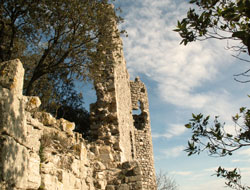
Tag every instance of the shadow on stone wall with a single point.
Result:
(13, 155)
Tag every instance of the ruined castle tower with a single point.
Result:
(113, 122)
(38, 151)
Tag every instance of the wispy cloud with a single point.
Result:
(240, 160)
(181, 173)
(153, 49)
(172, 131)
(244, 152)
(173, 152)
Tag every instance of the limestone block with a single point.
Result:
(33, 121)
(106, 157)
(84, 186)
(68, 180)
(84, 155)
(88, 180)
(117, 146)
(32, 103)
(99, 166)
(105, 154)
(50, 182)
(83, 172)
(137, 171)
(51, 156)
(75, 166)
(110, 187)
(11, 76)
(46, 118)
(13, 162)
(124, 187)
(100, 175)
(138, 185)
(77, 184)
(12, 115)
(133, 178)
(33, 138)
(48, 168)
(67, 126)
(34, 177)
(101, 184)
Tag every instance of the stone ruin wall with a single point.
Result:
(39, 152)
(143, 139)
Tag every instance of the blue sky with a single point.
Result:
(182, 80)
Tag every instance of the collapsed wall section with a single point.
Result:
(40, 152)
(143, 139)
(37, 151)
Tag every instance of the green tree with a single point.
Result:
(217, 141)
(222, 20)
(219, 19)
(57, 41)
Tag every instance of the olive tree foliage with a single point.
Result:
(219, 19)
(57, 41)
(218, 142)
(222, 20)
(165, 182)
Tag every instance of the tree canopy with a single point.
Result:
(57, 41)
(222, 20)
(219, 19)
(217, 141)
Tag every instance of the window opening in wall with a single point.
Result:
(139, 117)
(138, 111)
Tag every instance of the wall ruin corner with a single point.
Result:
(38, 151)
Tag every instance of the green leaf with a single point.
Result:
(239, 34)
(242, 109)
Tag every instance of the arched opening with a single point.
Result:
(140, 117)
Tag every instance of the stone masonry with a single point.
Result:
(39, 152)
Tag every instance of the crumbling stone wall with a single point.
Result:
(143, 139)
(38, 151)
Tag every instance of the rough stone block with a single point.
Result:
(50, 182)
(110, 187)
(11, 76)
(12, 117)
(99, 166)
(13, 162)
(124, 187)
(67, 126)
(45, 118)
(33, 138)
(32, 103)
(34, 177)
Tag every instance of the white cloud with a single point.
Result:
(240, 160)
(172, 131)
(244, 152)
(181, 173)
(217, 184)
(153, 49)
(174, 152)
